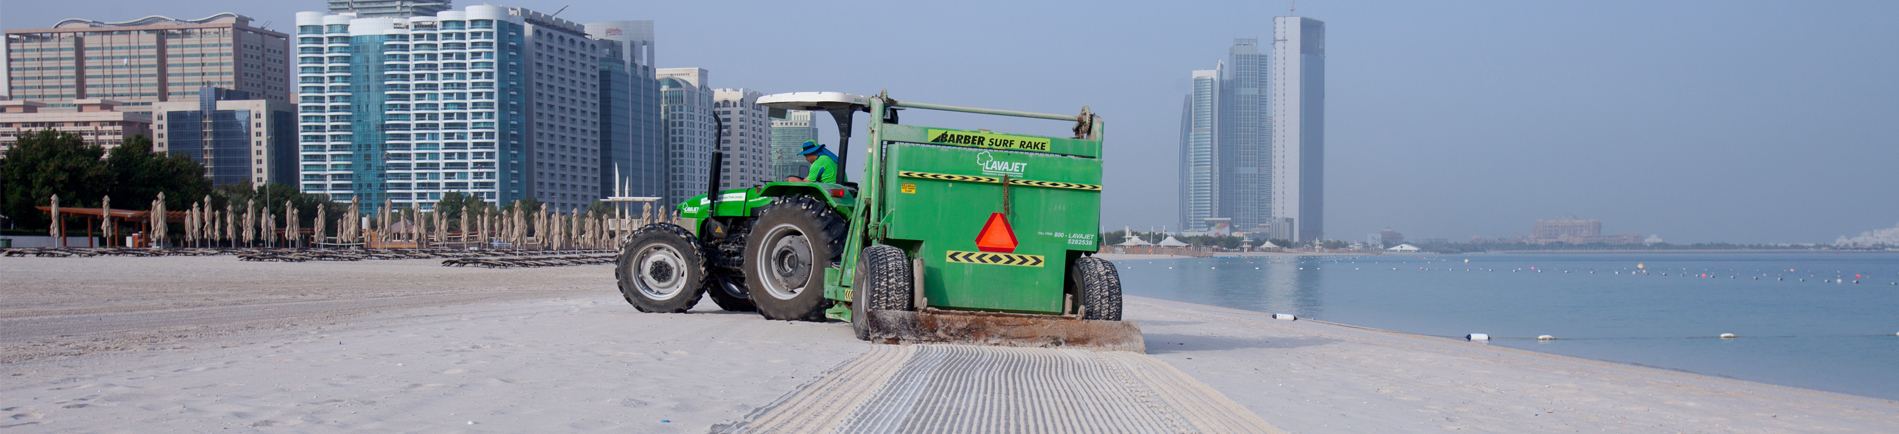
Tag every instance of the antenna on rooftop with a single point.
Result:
(557, 12)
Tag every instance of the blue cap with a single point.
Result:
(811, 147)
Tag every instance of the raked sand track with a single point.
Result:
(204, 344)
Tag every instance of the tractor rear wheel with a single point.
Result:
(730, 293)
(793, 241)
(661, 270)
(1099, 287)
(882, 282)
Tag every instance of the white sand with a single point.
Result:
(203, 344)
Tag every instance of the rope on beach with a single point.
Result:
(532, 261)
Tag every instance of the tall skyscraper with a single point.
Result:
(144, 61)
(1226, 143)
(389, 8)
(236, 137)
(1298, 111)
(1245, 141)
(686, 104)
(632, 148)
(408, 109)
(1199, 163)
(747, 139)
(563, 107)
(788, 135)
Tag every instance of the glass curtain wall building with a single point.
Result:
(1199, 127)
(788, 135)
(1298, 115)
(1245, 142)
(686, 103)
(632, 150)
(238, 139)
(407, 109)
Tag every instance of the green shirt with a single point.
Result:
(825, 170)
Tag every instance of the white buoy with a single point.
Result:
(1477, 337)
(1285, 317)
(1545, 338)
(1727, 336)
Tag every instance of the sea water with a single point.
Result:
(1823, 321)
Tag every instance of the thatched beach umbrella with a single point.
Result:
(160, 220)
(57, 230)
(291, 225)
(105, 220)
(322, 220)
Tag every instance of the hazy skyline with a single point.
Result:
(1695, 121)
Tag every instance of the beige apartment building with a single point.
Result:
(95, 120)
(144, 61)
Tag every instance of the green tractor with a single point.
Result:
(967, 236)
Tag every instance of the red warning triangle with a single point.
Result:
(996, 235)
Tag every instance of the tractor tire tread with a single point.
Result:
(1100, 287)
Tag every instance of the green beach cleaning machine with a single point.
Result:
(958, 236)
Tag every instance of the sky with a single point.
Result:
(1698, 121)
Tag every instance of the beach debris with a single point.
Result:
(1285, 317)
(1727, 336)
(1477, 337)
(1545, 338)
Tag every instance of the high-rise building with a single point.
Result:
(1226, 143)
(408, 109)
(1199, 130)
(788, 135)
(1245, 140)
(236, 138)
(632, 149)
(747, 139)
(563, 125)
(96, 121)
(686, 107)
(144, 61)
(1298, 119)
(388, 8)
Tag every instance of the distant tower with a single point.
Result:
(1245, 139)
(686, 104)
(1298, 119)
(1199, 153)
(747, 139)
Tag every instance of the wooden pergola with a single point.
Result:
(118, 217)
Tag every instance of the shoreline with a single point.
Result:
(556, 349)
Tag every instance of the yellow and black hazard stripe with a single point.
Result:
(1047, 184)
(992, 180)
(987, 258)
(947, 177)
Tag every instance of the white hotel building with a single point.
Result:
(500, 103)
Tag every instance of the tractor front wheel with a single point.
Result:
(661, 269)
(882, 282)
(1099, 285)
(793, 241)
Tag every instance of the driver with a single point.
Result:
(823, 165)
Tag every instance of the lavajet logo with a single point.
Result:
(992, 166)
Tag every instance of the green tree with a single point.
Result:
(600, 208)
(527, 204)
(140, 174)
(452, 203)
(45, 163)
